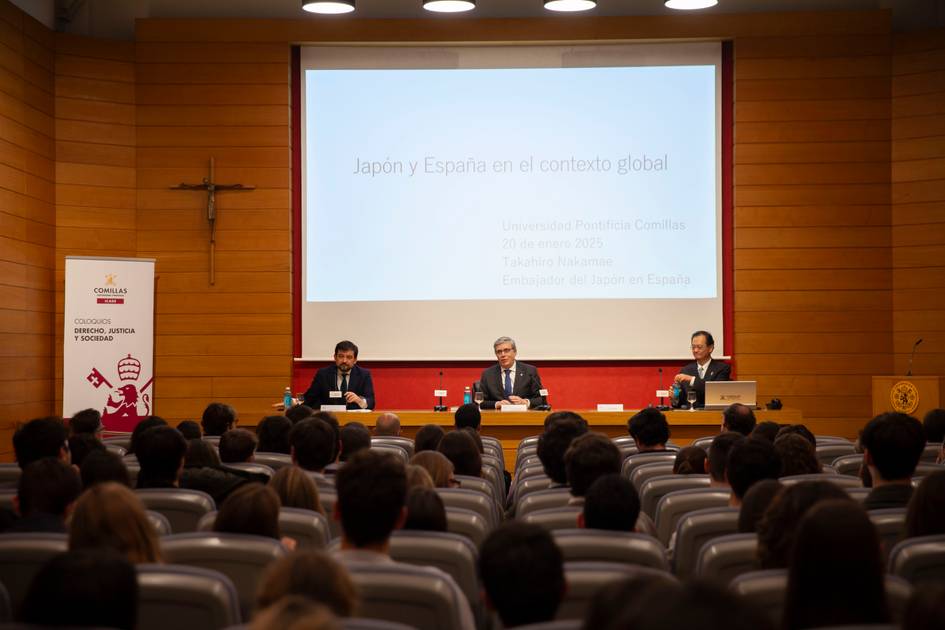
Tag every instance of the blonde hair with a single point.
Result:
(437, 465)
(313, 574)
(418, 477)
(296, 489)
(110, 515)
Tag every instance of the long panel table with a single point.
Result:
(510, 428)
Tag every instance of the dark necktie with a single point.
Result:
(344, 384)
(508, 382)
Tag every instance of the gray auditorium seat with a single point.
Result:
(451, 553)
(181, 597)
(632, 462)
(527, 486)
(858, 494)
(159, 522)
(133, 469)
(541, 500)
(472, 500)
(9, 473)
(392, 449)
(724, 558)
(703, 442)
(931, 451)
(673, 505)
(258, 468)
(241, 558)
(183, 508)
(273, 460)
(394, 440)
(493, 470)
(890, 525)
(584, 579)
(848, 464)
(641, 473)
(328, 499)
(553, 519)
(531, 469)
(115, 448)
(526, 455)
(308, 528)
(477, 484)
(655, 488)
(467, 523)
(124, 441)
(697, 528)
(920, 559)
(528, 441)
(597, 545)
(844, 481)
(832, 439)
(492, 446)
(22, 555)
(829, 451)
(927, 468)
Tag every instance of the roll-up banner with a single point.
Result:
(108, 339)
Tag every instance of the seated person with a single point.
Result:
(748, 462)
(611, 503)
(354, 437)
(690, 460)
(425, 510)
(218, 418)
(312, 574)
(460, 448)
(797, 455)
(704, 368)
(352, 381)
(387, 425)
(649, 430)
(273, 434)
(39, 438)
(111, 516)
(510, 382)
(46, 495)
(87, 421)
(738, 418)
(428, 438)
(237, 446)
(589, 457)
(892, 446)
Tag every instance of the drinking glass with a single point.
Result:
(478, 396)
(691, 397)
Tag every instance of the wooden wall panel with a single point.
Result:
(95, 168)
(918, 200)
(27, 221)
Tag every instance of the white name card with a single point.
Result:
(335, 393)
(513, 408)
(440, 393)
(542, 392)
(609, 407)
(662, 393)
(333, 408)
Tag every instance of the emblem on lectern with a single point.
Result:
(904, 397)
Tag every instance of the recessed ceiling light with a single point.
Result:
(570, 5)
(689, 5)
(328, 7)
(449, 6)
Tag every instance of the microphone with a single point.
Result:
(441, 406)
(912, 356)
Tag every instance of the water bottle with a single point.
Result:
(287, 398)
(676, 392)
(467, 395)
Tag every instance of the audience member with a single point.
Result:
(252, 509)
(522, 573)
(610, 503)
(387, 424)
(589, 457)
(468, 415)
(237, 446)
(296, 489)
(425, 510)
(298, 413)
(738, 418)
(625, 597)
(294, 612)
(554, 443)
(189, 429)
(926, 512)
(690, 461)
(218, 418)
(799, 429)
(766, 430)
(86, 588)
(718, 457)
(311, 444)
(81, 444)
(372, 492)
(836, 572)
(755, 503)
(476, 438)
(892, 446)
(87, 421)
(311, 574)
(148, 423)
(200, 453)
(354, 437)
(332, 421)
(934, 426)
(160, 451)
(797, 455)
(273, 434)
(460, 448)
(101, 466)
(748, 462)
(555, 416)
(778, 524)
(46, 492)
(428, 438)
(418, 477)
(110, 516)
(438, 466)
(203, 471)
(649, 430)
(39, 438)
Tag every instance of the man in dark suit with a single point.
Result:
(352, 382)
(704, 368)
(509, 382)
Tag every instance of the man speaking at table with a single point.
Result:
(351, 382)
(510, 382)
(704, 368)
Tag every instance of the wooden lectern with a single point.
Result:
(914, 395)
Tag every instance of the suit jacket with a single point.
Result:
(717, 371)
(326, 380)
(527, 384)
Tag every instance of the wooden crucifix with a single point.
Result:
(212, 187)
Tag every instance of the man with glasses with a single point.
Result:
(343, 383)
(510, 382)
(694, 375)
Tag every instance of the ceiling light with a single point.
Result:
(329, 7)
(688, 5)
(449, 6)
(570, 5)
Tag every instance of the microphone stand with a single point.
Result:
(912, 356)
(441, 406)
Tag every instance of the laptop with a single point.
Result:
(721, 394)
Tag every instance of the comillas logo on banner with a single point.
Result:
(108, 341)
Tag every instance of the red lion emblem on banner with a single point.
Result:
(126, 404)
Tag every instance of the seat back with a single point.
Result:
(673, 505)
(632, 462)
(598, 545)
(641, 473)
(478, 484)
(124, 441)
(848, 464)
(890, 525)
(471, 500)
(584, 579)
(308, 528)
(542, 500)
(115, 448)
(697, 528)
(405, 594)
(239, 557)
(9, 473)
(554, 519)
(704, 442)
(931, 451)
(182, 508)
(858, 494)
(927, 468)
(726, 557)
(273, 460)
(844, 481)
(918, 560)
(393, 449)
(253, 467)
(766, 589)
(22, 555)
(530, 469)
(526, 486)
(394, 440)
(159, 522)
(328, 498)
(530, 441)
(829, 451)
(655, 488)
(171, 596)
(451, 553)
(467, 523)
